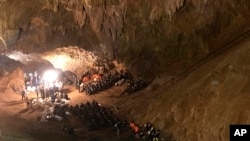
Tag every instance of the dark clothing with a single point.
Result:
(117, 129)
(37, 92)
(23, 93)
(28, 103)
(42, 92)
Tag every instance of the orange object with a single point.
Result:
(95, 77)
(134, 127)
(85, 79)
(131, 124)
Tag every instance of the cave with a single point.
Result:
(187, 62)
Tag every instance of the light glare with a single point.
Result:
(50, 76)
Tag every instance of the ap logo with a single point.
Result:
(239, 133)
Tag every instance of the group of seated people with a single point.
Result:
(91, 84)
(94, 83)
(143, 132)
(134, 86)
(93, 115)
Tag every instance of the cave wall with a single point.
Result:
(149, 36)
(204, 104)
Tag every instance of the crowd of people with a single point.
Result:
(42, 88)
(95, 116)
(92, 114)
(134, 86)
(144, 132)
(88, 83)
(93, 83)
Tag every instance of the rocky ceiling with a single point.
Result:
(149, 36)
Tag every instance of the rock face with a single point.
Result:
(72, 59)
(150, 37)
(204, 104)
(159, 34)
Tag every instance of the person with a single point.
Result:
(135, 129)
(27, 102)
(41, 89)
(68, 129)
(155, 135)
(117, 129)
(148, 125)
(23, 93)
(78, 84)
(37, 91)
(80, 88)
(128, 74)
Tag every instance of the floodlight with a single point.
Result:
(50, 76)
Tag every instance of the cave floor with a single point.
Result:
(19, 124)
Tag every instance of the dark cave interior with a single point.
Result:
(193, 56)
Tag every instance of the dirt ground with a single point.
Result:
(19, 123)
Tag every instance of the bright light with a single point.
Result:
(50, 76)
(59, 61)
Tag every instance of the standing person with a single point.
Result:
(46, 93)
(78, 84)
(41, 89)
(23, 93)
(25, 80)
(117, 129)
(81, 87)
(27, 102)
(37, 91)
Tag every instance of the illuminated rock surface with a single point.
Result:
(155, 39)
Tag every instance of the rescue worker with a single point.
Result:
(41, 89)
(135, 129)
(85, 79)
(27, 102)
(128, 74)
(23, 93)
(26, 80)
(96, 77)
(78, 83)
(117, 129)
(37, 91)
